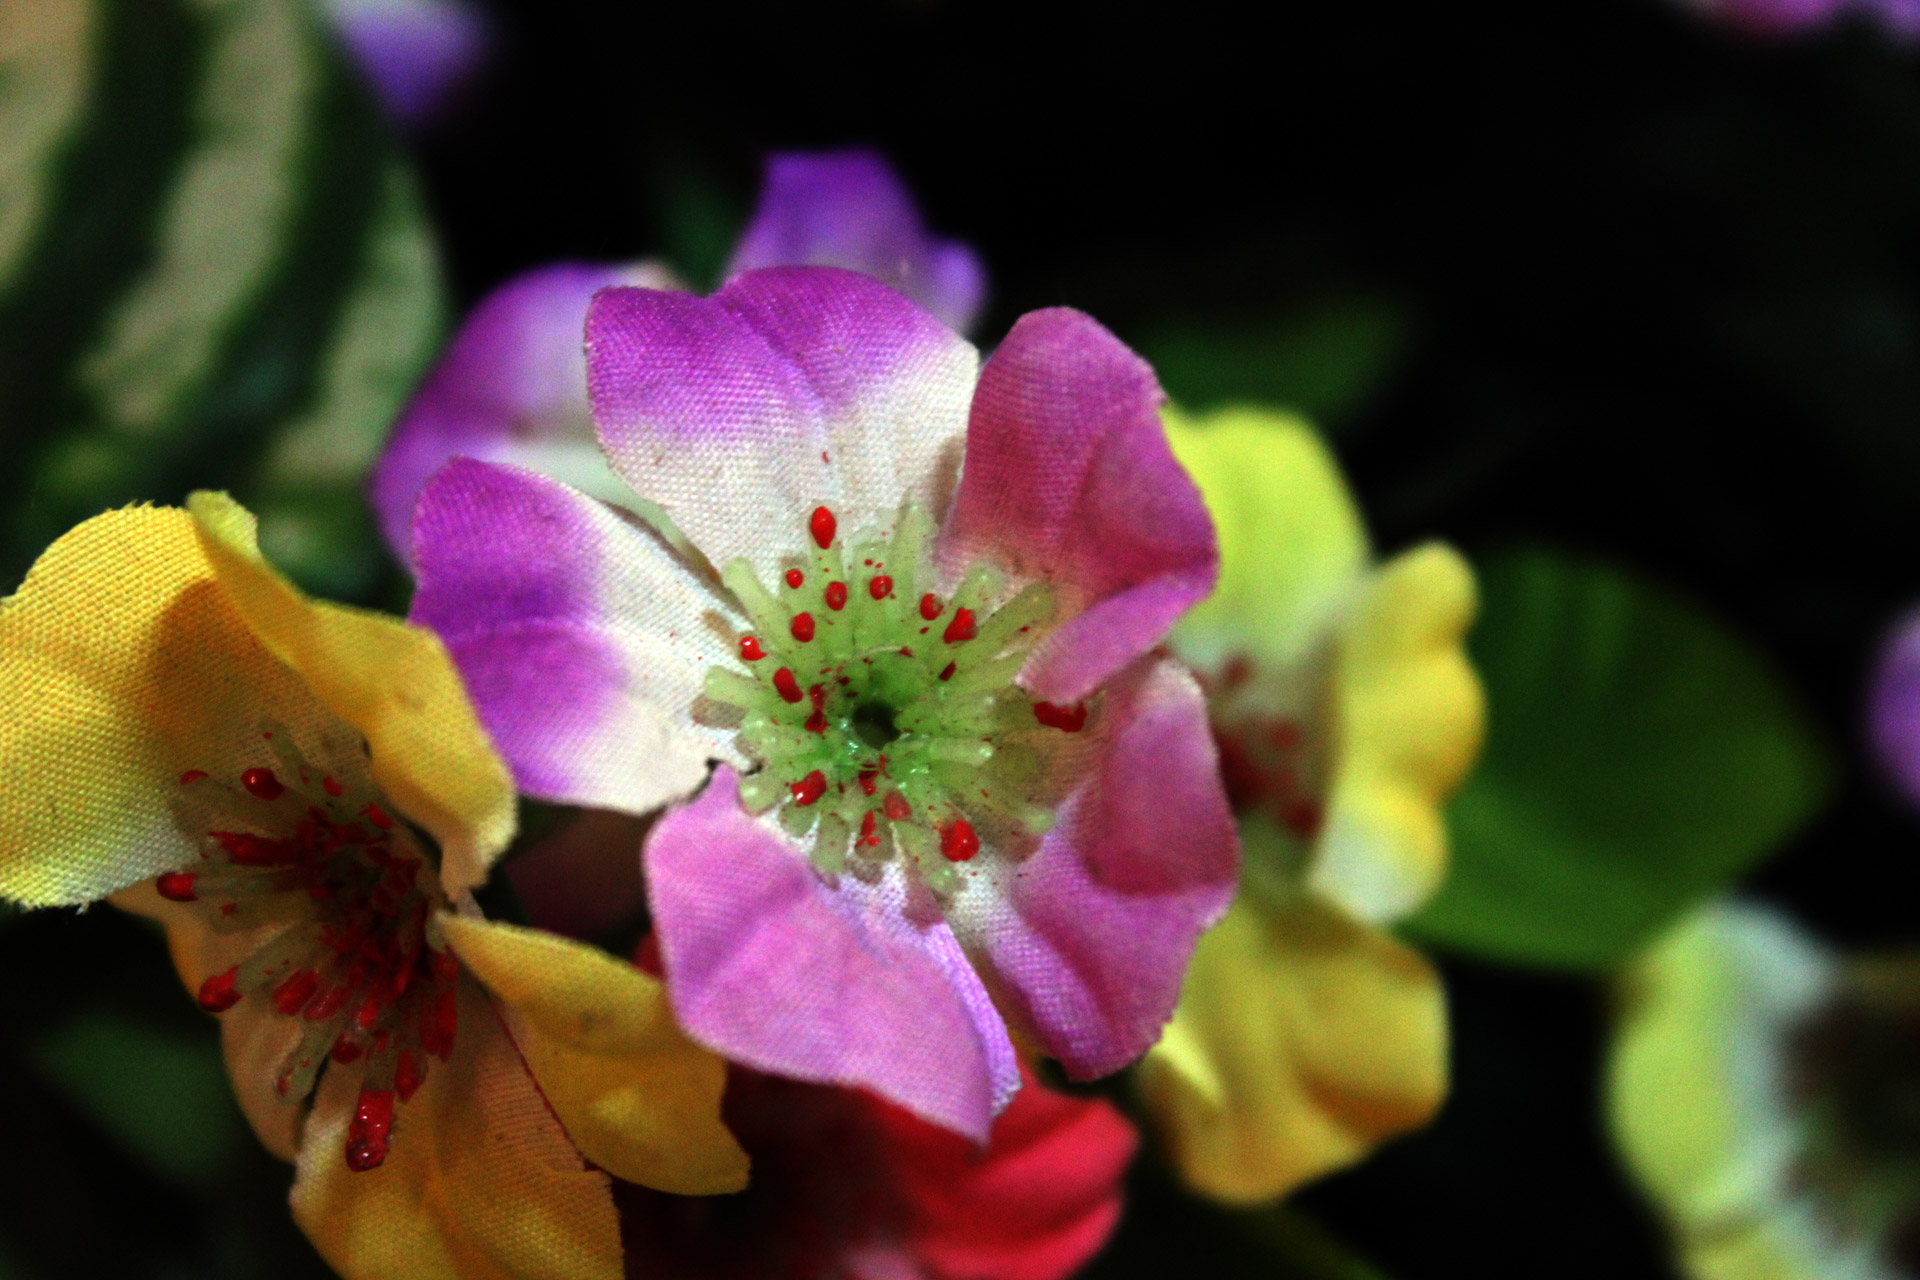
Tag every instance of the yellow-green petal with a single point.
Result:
(1302, 1040)
(480, 1182)
(1292, 547)
(391, 681)
(1407, 721)
(638, 1098)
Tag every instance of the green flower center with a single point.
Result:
(885, 718)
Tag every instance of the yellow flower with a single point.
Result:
(1346, 713)
(274, 779)
(1760, 1090)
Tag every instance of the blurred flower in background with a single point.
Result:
(1346, 713)
(416, 54)
(1899, 19)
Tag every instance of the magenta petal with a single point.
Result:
(788, 389)
(1101, 921)
(1894, 711)
(772, 967)
(513, 384)
(1069, 477)
(850, 209)
(581, 641)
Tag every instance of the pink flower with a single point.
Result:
(950, 760)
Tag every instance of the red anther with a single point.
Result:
(369, 1011)
(750, 650)
(930, 606)
(345, 1051)
(816, 723)
(867, 837)
(836, 596)
(788, 687)
(905, 652)
(177, 886)
(817, 694)
(958, 842)
(646, 957)
(379, 817)
(218, 993)
(333, 788)
(802, 627)
(868, 780)
(809, 788)
(1066, 719)
(795, 578)
(822, 526)
(897, 807)
(262, 782)
(370, 1130)
(881, 587)
(255, 851)
(192, 776)
(961, 628)
(947, 672)
(407, 1075)
(292, 995)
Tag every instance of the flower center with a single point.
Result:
(1271, 764)
(358, 962)
(887, 718)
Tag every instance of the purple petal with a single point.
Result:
(786, 390)
(850, 209)
(414, 53)
(1098, 927)
(1069, 477)
(512, 387)
(1894, 713)
(582, 642)
(772, 967)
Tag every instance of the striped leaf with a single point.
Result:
(214, 273)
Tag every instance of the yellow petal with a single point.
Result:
(122, 666)
(638, 1098)
(1301, 1040)
(1408, 717)
(254, 1036)
(1292, 547)
(392, 682)
(479, 1184)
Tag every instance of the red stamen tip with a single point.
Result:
(947, 673)
(750, 650)
(961, 628)
(370, 1131)
(177, 886)
(795, 578)
(897, 807)
(930, 606)
(379, 817)
(262, 782)
(822, 526)
(788, 687)
(218, 993)
(1066, 719)
(836, 596)
(809, 788)
(881, 587)
(802, 627)
(192, 776)
(958, 841)
(333, 788)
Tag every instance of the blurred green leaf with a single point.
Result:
(161, 1093)
(214, 270)
(1640, 757)
(1325, 361)
(1303, 1248)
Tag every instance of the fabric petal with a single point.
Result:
(584, 645)
(850, 209)
(392, 682)
(777, 970)
(125, 666)
(1035, 1205)
(480, 1184)
(1098, 925)
(511, 388)
(255, 1037)
(1408, 717)
(1069, 478)
(1302, 1040)
(637, 1097)
(788, 389)
(1293, 551)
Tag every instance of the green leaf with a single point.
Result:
(214, 272)
(1640, 757)
(160, 1093)
(1325, 361)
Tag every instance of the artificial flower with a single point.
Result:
(1345, 712)
(414, 54)
(1761, 1089)
(302, 795)
(513, 385)
(949, 759)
